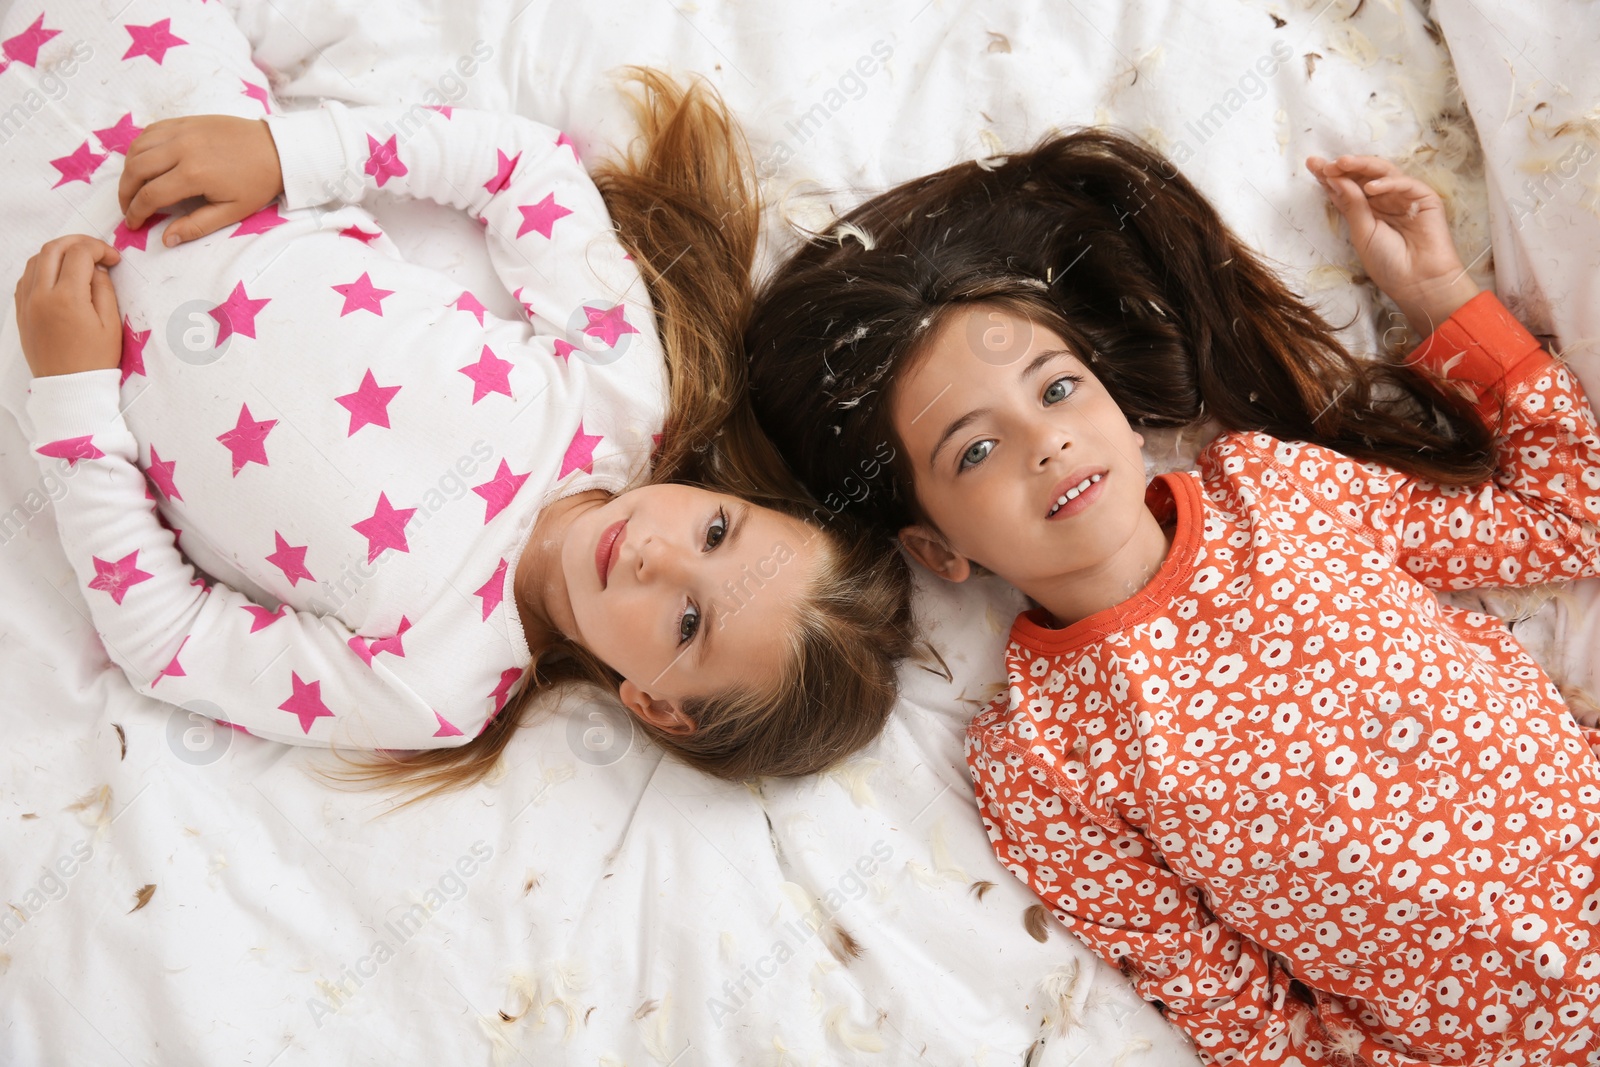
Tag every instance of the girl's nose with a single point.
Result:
(658, 560)
(1053, 441)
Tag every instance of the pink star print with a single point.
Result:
(541, 216)
(383, 160)
(368, 405)
(24, 47)
(502, 174)
(362, 295)
(257, 93)
(78, 167)
(291, 561)
(174, 669)
(443, 109)
(357, 233)
(122, 237)
(71, 449)
(608, 324)
(152, 40)
(133, 342)
(446, 728)
(306, 702)
(580, 453)
(247, 440)
(469, 303)
(490, 374)
(160, 472)
(508, 678)
(499, 490)
(116, 578)
(392, 645)
(237, 314)
(260, 222)
(564, 350)
(494, 590)
(385, 528)
(261, 618)
(527, 308)
(359, 646)
(117, 138)
(563, 139)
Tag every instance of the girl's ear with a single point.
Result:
(928, 548)
(667, 716)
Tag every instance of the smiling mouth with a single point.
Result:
(1073, 494)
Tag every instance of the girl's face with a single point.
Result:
(1000, 423)
(684, 592)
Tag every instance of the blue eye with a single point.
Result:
(976, 454)
(1061, 388)
(688, 624)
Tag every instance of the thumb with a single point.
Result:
(103, 297)
(201, 221)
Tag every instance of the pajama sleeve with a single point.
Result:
(184, 641)
(1234, 999)
(1535, 520)
(549, 234)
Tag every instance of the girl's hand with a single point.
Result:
(67, 307)
(231, 162)
(1398, 227)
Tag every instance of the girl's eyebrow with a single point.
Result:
(959, 424)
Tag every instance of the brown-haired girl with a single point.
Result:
(1245, 753)
(394, 518)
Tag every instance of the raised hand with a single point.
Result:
(231, 162)
(67, 315)
(1398, 227)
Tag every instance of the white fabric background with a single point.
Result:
(620, 896)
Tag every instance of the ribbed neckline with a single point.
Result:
(1179, 492)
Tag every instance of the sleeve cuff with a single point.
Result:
(85, 404)
(312, 157)
(1483, 345)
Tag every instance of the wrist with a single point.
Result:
(1434, 303)
(275, 178)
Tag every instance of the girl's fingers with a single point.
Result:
(160, 192)
(47, 264)
(72, 259)
(1365, 167)
(201, 221)
(103, 295)
(139, 171)
(1352, 204)
(77, 268)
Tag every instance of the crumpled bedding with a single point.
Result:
(178, 895)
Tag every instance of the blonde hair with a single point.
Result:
(685, 203)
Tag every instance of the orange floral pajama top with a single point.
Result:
(1307, 808)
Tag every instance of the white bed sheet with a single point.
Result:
(621, 909)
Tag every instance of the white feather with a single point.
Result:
(1061, 987)
(856, 776)
(850, 1035)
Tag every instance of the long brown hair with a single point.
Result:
(685, 204)
(1102, 240)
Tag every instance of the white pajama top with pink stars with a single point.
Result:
(301, 499)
